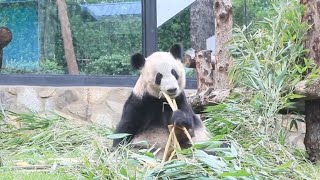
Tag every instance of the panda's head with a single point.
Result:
(161, 71)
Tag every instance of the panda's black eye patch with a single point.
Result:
(174, 73)
(158, 78)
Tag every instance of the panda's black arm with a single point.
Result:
(185, 115)
(183, 104)
(131, 119)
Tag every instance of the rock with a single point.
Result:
(97, 95)
(103, 119)
(7, 100)
(119, 94)
(296, 140)
(115, 106)
(46, 92)
(65, 98)
(12, 90)
(49, 104)
(27, 98)
(80, 109)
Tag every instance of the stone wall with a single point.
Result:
(100, 105)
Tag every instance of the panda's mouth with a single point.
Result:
(172, 94)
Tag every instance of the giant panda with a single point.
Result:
(146, 115)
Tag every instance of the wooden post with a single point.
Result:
(223, 25)
(67, 37)
(203, 62)
(204, 70)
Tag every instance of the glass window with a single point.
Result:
(246, 12)
(23, 50)
(173, 29)
(181, 23)
(104, 34)
(176, 30)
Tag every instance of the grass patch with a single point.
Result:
(82, 151)
(13, 175)
(51, 140)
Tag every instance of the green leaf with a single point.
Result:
(216, 163)
(123, 172)
(238, 173)
(295, 96)
(217, 137)
(298, 68)
(205, 144)
(118, 135)
(285, 165)
(293, 123)
(149, 154)
(218, 107)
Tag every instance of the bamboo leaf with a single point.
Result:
(118, 135)
(285, 165)
(238, 173)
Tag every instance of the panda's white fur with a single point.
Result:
(158, 137)
(145, 115)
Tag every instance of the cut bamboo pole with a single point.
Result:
(172, 139)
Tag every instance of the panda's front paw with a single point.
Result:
(181, 119)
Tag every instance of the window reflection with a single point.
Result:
(176, 30)
(104, 34)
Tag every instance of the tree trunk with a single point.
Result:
(201, 23)
(223, 25)
(312, 17)
(67, 37)
(312, 107)
(1, 56)
(312, 137)
(5, 39)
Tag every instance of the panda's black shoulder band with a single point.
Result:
(137, 61)
(176, 51)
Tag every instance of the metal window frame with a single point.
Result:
(149, 26)
(75, 80)
(149, 45)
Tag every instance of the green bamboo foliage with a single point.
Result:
(268, 60)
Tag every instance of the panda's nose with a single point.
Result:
(172, 90)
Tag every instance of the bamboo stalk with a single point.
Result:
(172, 139)
(166, 150)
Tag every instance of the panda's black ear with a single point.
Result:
(137, 61)
(176, 51)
